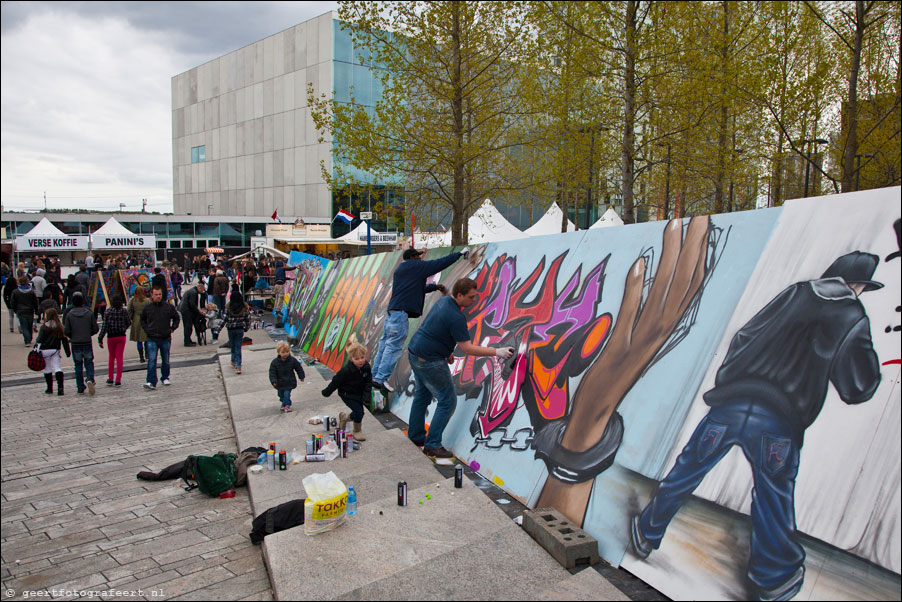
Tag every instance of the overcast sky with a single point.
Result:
(86, 94)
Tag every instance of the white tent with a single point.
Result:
(358, 235)
(610, 218)
(113, 236)
(486, 225)
(47, 237)
(550, 223)
(263, 249)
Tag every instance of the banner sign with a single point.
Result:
(52, 243)
(117, 242)
(379, 238)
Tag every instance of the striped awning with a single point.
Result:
(209, 250)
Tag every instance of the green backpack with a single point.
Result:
(211, 474)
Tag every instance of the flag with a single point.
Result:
(345, 216)
(275, 216)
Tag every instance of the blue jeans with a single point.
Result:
(356, 407)
(767, 441)
(285, 397)
(25, 325)
(83, 358)
(151, 346)
(219, 300)
(236, 336)
(431, 379)
(394, 333)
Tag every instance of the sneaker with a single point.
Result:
(147, 386)
(383, 388)
(109, 382)
(288, 409)
(388, 387)
(641, 547)
(237, 369)
(437, 452)
(91, 388)
(166, 382)
(787, 589)
(214, 342)
(117, 384)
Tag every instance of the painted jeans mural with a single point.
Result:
(623, 338)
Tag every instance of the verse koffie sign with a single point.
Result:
(52, 243)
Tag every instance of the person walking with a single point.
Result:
(8, 288)
(354, 383)
(24, 303)
(409, 290)
(431, 351)
(135, 306)
(51, 337)
(176, 278)
(281, 374)
(159, 320)
(220, 289)
(116, 321)
(237, 321)
(192, 310)
(80, 325)
(38, 283)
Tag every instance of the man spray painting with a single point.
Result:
(769, 389)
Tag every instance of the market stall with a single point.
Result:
(47, 239)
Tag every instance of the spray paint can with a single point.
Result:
(458, 476)
(344, 448)
(350, 439)
(318, 444)
(315, 458)
(326, 423)
(310, 446)
(283, 460)
(271, 460)
(402, 493)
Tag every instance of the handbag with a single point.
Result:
(36, 360)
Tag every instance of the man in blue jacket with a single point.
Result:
(409, 290)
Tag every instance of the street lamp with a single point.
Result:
(858, 167)
(815, 141)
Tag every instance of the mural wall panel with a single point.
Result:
(716, 400)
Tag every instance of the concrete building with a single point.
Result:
(243, 142)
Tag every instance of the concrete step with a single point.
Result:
(584, 585)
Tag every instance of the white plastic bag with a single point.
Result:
(330, 450)
(327, 499)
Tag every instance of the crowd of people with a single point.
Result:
(60, 311)
(219, 289)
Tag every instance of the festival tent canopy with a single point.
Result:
(263, 249)
(550, 223)
(47, 237)
(358, 235)
(113, 236)
(610, 218)
(486, 225)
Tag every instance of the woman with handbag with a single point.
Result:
(51, 337)
(115, 324)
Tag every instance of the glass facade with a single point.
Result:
(181, 230)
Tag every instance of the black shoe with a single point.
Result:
(418, 443)
(641, 547)
(437, 452)
(190, 344)
(109, 382)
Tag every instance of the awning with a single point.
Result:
(262, 249)
(209, 250)
(47, 237)
(113, 236)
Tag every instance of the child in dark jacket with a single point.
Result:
(354, 383)
(281, 374)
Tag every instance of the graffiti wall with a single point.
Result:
(716, 400)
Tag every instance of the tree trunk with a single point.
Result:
(848, 160)
(629, 114)
(458, 213)
(720, 177)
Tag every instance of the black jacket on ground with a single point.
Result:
(281, 372)
(353, 382)
(159, 320)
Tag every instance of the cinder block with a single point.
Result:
(566, 542)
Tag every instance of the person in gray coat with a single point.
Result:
(81, 326)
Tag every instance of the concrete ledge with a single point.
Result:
(566, 542)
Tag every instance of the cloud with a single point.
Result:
(86, 92)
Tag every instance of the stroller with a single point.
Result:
(211, 321)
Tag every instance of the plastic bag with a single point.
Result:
(327, 499)
(330, 450)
